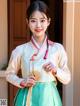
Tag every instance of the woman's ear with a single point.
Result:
(49, 20)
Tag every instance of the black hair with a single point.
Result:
(37, 5)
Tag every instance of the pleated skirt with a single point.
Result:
(43, 94)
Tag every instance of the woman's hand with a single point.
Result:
(29, 82)
(49, 67)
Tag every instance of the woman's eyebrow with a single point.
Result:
(36, 18)
(33, 18)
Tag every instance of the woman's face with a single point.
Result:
(38, 23)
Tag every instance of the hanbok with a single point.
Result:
(29, 57)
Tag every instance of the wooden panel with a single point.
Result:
(20, 20)
(18, 29)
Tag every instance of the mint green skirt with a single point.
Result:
(43, 94)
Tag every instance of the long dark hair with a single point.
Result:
(37, 5)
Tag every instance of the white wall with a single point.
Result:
(68, 41)
(77, 55)
(71, 40)
(3, 32)
(3, 48)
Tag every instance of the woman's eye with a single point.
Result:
(42, 20)
(33, 21)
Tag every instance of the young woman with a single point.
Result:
(41, 62)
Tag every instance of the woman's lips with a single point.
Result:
(38, 30)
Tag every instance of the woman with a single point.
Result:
(41, 62)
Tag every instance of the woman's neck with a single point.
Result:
(39, 40)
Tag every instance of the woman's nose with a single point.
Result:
(38, 24)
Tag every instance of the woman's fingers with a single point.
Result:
(32, 77)
(23, 83)
(30, 84)
(30, 81)
(49, 67)
(47, 64)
